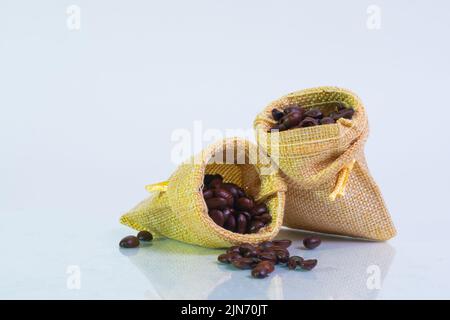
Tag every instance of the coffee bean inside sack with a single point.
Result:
(231, 208)
(294, 116)
(261, 259)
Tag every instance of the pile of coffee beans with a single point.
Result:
(134, 241)
(294, 116)
(261, 259)
(231, 208)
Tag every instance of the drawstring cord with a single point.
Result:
(160, 186)
(342, 180)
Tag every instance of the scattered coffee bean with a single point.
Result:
(294, 262)
(311, 242)
(282, 243)
(228, 257)
(263, 269)
(145, 236)
(244, 263)
(308, 264)
(129, 242)
(263, 257)
(297, 117)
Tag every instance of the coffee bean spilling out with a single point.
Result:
(261, 259)
(133, 241)
(294, 116)
(231, 208)
(311, 242)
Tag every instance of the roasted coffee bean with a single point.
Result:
(277, 114)
(228, 257)
(230, 224)
(241, 224)
(226, 213)
(217, 217)
(266, 245)
(314, 113)
(293, 108)
(232, 188)
(308, 264)
(347, 113)
(207, 179)
(216, 203)
(263, 269)
(265, 218)
(268, 255)
(244, 263)
(246, 214)
(308, 122)
(145, 236)
(208, 194)
(282, 255)
(129, 242)
(246, 248)
(282, 243)
(291, 120)
(216, 181)
(244, 204)
(297, 117)
(294, 262)
(255, 226)
(259, 209)
(327, 120)
(234, 249)
(311, 242)
(260, 273)
(224, 194)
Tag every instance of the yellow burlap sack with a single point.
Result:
(176, 208)
(330, 188)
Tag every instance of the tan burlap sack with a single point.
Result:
(330, 188)
(176, 208)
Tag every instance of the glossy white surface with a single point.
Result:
(36, 258)
(80, 137)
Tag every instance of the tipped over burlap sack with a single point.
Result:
(330, 188)
(176, 208)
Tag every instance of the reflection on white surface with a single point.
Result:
(180, 271)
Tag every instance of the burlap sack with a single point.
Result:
(176, 208)
(330, 188)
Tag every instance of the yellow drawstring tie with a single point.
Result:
(160, 186)
(342, 180)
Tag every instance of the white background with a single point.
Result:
(87, 117)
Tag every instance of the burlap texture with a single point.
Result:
(180, 212)
(321, 161)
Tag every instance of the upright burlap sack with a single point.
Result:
(330, 188)
(176, 208)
